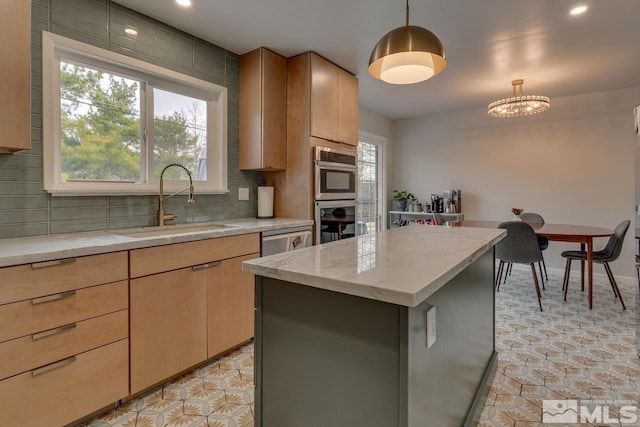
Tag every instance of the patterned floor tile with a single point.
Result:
(583, 354)
(219, 394)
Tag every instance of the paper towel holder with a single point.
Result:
(265, 201)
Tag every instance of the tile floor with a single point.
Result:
(565, 352)
(219, 394)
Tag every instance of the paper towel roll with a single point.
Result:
(265, 202)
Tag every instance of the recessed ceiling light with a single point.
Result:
(579, 10)
(131, 31)
(184, 3)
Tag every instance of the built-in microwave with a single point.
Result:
(335, 174)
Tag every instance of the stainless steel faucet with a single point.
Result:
(162, 217)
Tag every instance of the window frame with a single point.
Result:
(55, 47)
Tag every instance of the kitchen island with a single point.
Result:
(343, 337)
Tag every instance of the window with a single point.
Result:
(112, 123)
(370, 182)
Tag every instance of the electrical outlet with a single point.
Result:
(243, 194)
(431, 326)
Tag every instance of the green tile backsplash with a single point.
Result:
(26, 210)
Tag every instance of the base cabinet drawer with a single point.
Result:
(159, 259)
(27, 281)
(52, 311)
(57, 394)
(29, 352)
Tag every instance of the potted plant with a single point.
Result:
(401, 197)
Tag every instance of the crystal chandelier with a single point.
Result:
(519, 105)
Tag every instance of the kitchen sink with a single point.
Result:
(168, 230)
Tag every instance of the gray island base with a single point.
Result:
(325, 358)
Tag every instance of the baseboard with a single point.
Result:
(477, 406)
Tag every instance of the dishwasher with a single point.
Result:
(285, 240)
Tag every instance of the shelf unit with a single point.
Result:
(447, 216)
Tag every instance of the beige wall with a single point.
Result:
(572, 164)
(375, 123)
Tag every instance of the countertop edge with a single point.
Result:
(26, 250)
(372, 292)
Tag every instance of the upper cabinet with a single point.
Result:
(347, 107)
(263, 110)
(334, 102)
(15, 75)
(324, 98)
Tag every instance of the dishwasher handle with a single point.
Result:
(285, 236)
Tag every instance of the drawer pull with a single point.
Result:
(56, 365)
(52, 263)
(51, 332)
(207, 265)
(55, 297)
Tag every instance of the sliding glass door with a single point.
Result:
(370, 189)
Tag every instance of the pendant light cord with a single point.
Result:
(407, 13)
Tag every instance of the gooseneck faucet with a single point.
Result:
(162, 217)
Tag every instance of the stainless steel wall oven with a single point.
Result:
(336, 177)
(336, 174)
(335, 220)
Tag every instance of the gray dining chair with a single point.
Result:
(519, 247)
(610, 253)
(543, 241)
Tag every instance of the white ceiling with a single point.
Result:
(488, 43)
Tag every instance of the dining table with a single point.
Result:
(583, 234)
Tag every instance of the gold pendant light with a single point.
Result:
(407, 55)
(519, 105)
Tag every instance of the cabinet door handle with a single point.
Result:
(52, 263)
(51, 332)
(55, 297)
(207, 265)
(56, 365)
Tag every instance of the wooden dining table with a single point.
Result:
(583, 234)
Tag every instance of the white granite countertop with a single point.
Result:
(25, 250)
(402, 266)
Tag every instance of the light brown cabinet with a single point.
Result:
(322, 110)
(347, 108)
(230, 301)
(63, 338)
(334, 102)
(263, 110)
(15, 75)
(168, 325)
(183, 300)
(78, 334)
(324, 98)
(64, 391)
